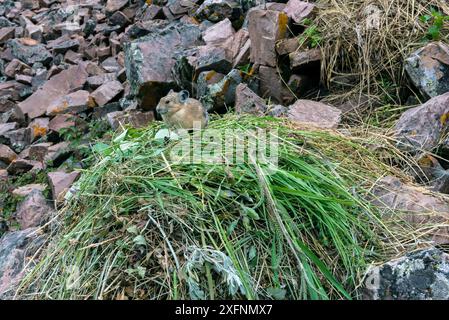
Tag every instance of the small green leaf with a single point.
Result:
(140, 240)
(133, 230)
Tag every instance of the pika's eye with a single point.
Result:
(166, 101)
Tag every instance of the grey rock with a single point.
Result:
(29, 54)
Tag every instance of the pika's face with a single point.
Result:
(172, 102)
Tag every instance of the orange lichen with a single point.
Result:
(39, 131)
(444, 118)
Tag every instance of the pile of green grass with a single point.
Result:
(140, 227)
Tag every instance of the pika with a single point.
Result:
(181, 112)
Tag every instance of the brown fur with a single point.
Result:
(177, 114)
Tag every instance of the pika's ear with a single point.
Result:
(171, 91)
(183, 96)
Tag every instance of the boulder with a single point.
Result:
(219, 33)
(298, 10)
(421, 128)
(150, 59)
(420, 275)
(6, 154)
(75, 102)
(265, 28)
(133, 118)
(302, 58)
(217, 10)
(428, 69)
(29, 51)
(63, 83)
(107, 92)
(315, 114)
(416, 205)
(33, 210)
(60, 183)
(15, 248)
(246, 101)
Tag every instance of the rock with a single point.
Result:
(19, 139)
(183, 71)
(277, 110)
(6, 154)
(213, 58)
(219, 33)
(430, 172)
(36, 151)
(301, 58)
(58, 86)
(240, 47)
(286, 46)
(20, 166)
(421, 128)
(428, 69)
(95, 81)
(151, 81)
(60, 183)
(133, 118)
(217, 10)
(29, 52)
(415, 205)
(3, 175)
(107, 92)
(298, 10)
(222, 94)
(57, 154)
(420, 275)
(206, 79)
(6, 34)
(39, 127)
(33, 211)
(61, 121)
(265, 28)
(5, 129)
(115, 5)
(15, 247)
(24, 191)
(314, 113)
(73, 103)
(246, 101)
(271, 85)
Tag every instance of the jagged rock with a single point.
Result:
(298, 10)
(33, 211)
(286, 46)
(75, 102)
(115, 5)
(61, 121)
(213, 58)
(428, 69)
(151, 81)
(39, 127)
(6, 33)
(430, 172)
(246, 101)
(15, 247)
(29, 52)
(222, 94)
(20, 166)
(265, 28)
(272, 85)
(133, 118)
(219, 33)
(421, 128)
(60, 183)
(6, 154)
(183, 71)
(95, 81)
(36, 151)
(314, 113)
(420, 275)
(63, 83)
(217, 10)
(301, 58)
(24, 191)
(416, 205)
(107, 92)
(206, 79)
(19, 139)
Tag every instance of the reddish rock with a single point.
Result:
(57, 153)
(17, 67)
(6, 154)
(72, 103)
(107, 92)
(60, 183)
(20, 166)
(315, 114)
(19, 139)
(36, 151)
(301, 58)
(115, 5)
(219, 33)
(213, 58)
(95, 81)
(286, 46)
(6, 34)
(133, 118)
(240, 47)
(61, 121)
(60, 85)
(3, 175)
(271, 85)
(33, 211)
(39, 127)
(246, 101)
(298, 10)
(266, 27)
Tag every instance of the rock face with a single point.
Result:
(15, 247)
(150, 59)
(415, 205)
(421, 275)
(314, 113)
(421, 128)
(428, 68)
